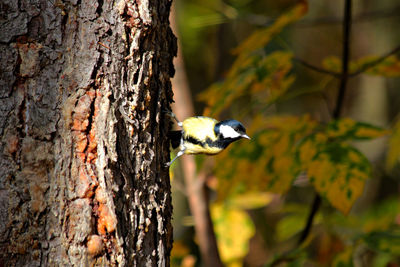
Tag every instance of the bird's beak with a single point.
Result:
(246, 136)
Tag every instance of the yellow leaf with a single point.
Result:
(308, 151)
(337, 171)
(340, 128)
(388, 67)
(370, 132)
(237, 82)
(281, 146)
(251, 200)
(269, 159)
(347, 128)
(233, 229)
(265, 78)
(332, 63)
(275, 80)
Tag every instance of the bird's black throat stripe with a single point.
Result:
(217, 143)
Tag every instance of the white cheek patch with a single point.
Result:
(228, 132)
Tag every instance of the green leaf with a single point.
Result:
(381, 217)
(290, 225)
(251, 200)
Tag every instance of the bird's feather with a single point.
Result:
(199, 127)
(203, 135)
(175, 138)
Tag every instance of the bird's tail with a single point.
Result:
(175, 138)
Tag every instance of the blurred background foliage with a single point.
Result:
(276, 66)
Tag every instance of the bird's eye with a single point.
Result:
(240, 128)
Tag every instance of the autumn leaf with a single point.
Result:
(388, 67)
(348, 129)
(332, 63)
(273, 76)
(233, 229)
(268, 162)
(284, 146)
(261, 37)
(264, 77)
(337, 170)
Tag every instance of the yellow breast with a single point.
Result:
(198, 149)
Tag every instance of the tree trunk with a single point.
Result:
(82, 89)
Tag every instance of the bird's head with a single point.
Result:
(231, 130)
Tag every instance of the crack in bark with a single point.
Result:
(99, 9)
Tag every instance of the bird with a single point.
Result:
(204, 135)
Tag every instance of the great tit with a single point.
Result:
(204, 135)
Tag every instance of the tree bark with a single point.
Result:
(83, 136)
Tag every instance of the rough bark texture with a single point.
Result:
(83, 136)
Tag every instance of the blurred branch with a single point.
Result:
(315, 68)
(345, 59)
(314, 209)
(375, 62)
(195, 186)
(339, 105)
(352, 74)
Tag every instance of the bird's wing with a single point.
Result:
(200, 128)
(175, 138)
